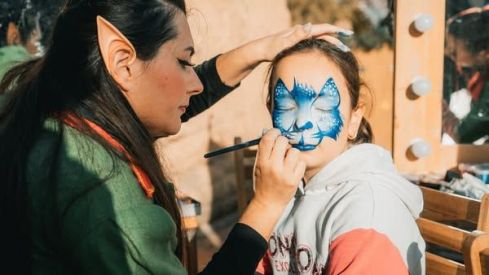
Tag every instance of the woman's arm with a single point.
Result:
(235, 65)
(278, 171)
(223, 73)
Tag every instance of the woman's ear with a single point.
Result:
(118, 53)
(13, 36)
(356, 120)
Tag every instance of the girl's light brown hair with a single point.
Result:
(348, 65)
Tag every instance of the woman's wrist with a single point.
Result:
(235, 65)
(262, 216)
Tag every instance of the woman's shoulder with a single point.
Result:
(92, 185)
(70, 151)
(80, 168)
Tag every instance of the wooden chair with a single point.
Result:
(191, 209)
(455, 223)
(244, 161)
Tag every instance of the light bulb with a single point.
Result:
(421, 86)
(423, 22)
(420, 148)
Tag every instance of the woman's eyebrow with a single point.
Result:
(191, 50)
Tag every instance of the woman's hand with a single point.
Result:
(278, 172)
(236, 64)
(269, 46)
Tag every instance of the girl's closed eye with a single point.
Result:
(285, 107)
(184, 63)
(324, 104)
(285, 104)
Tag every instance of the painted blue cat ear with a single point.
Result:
(280, 88)
(330, 92)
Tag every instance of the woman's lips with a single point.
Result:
(183, 108)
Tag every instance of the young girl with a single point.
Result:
(354, 214)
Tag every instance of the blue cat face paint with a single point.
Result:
(306, 116)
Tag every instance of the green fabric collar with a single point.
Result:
(10, 55)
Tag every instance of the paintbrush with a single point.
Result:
(232, 148)
(237, 147)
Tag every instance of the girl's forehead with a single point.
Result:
(310, 68)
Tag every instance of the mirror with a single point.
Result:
(465, 107)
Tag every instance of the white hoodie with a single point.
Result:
(355, 216)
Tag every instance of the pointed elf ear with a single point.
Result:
(117, 51)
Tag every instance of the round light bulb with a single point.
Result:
(423, 22)
(421, 86)
(420, 148)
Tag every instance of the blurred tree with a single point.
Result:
(371, 20)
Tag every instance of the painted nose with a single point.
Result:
(303, 121)
(305, 126)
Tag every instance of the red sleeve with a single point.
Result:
(265, 266)
(364, 251)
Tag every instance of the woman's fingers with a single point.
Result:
(291, 159)
(297, 30)
(294, 164)
(266, 145)
(301, 32)
(319, 31)
(335, 41)
(322, 29)
(278, 153)
(299, 170)
(269, 46)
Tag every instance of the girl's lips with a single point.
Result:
(183, 108)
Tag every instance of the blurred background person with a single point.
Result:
(20, 35)
(49, 10)
(466, 87)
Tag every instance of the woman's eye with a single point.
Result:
(184, 63)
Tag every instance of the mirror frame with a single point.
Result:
(421, 54)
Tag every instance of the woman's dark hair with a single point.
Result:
(71, 78)
(348, 65)
(22, 14)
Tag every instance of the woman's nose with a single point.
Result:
(195, 85)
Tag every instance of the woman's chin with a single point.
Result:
(168, 131)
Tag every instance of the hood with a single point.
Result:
(372, 164)
(9, 56)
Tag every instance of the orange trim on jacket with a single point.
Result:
(141, 176)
